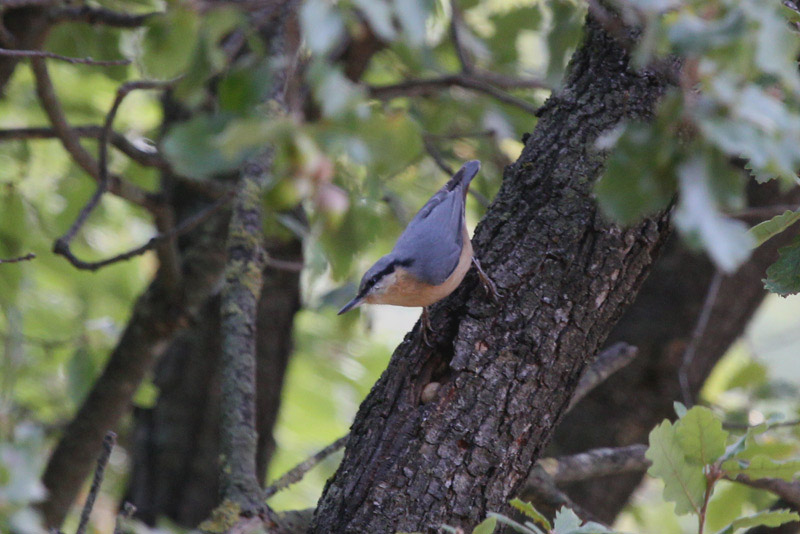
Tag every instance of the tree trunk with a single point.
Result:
(176, 443)
(500, 375)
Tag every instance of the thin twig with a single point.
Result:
(27, 257)
(108, 445)
(61, 245)
(186, 226)
(142, 157)
(474, 81)
(99, 15)
(604, 365)
(697, 335)
(73, 60)
(27, 3)
(71, 142)
(438, 158)
(436, 155)
(297, 473)
(455, 35)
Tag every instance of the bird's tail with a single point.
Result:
(464, 176)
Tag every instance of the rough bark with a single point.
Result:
(176, 443)
(505, 372)
(238, 310)
(660, 324)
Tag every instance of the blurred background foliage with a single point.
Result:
(362, 160)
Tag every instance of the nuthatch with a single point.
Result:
(431, 256)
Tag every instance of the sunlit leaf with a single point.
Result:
(684, 483)
(768, 518)
(766, 230)
(169, 41)
(486, 526)
(761, 466)
(565, 521)
(528, 509)
(699, 433)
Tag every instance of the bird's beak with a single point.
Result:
(350, 305)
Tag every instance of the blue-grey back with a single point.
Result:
(433, 238)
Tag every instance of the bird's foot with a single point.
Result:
(426, 327)
(486, 282)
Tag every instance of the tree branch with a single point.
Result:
(241, 289)
(73, 60)
(297, 473)
(101, 16)
(61, 245)
(142, 157)
(697, 335)
(184, 227)
(595, 463)
(27, 257)
(477, 82)
(788, 491)
(608, 362)
(612, 461)
(456, 21)
(109, 441)
(70, 141)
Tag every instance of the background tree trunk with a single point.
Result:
(660, 323)
(503, 374)
(176, 443)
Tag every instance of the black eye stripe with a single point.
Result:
(386, 270)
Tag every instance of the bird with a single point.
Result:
(431, 256)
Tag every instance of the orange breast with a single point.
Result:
(408, 291)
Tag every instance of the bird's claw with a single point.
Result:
(486, 282)
(426, 327)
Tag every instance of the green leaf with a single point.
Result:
(528, 509)
(783, 276)
(192, 150)
(412, 15)
(243, 88)
(322, 25)
(169, 41)
(513, 524)
(701, 436)
(726, 240)
(684, 484)
(379, 15)
(762, 466)
(768, 518)
(639, 178)
(680, 408)
(591, 528)
(486, 526)
(565, 521)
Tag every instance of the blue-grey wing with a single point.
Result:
(433, 238)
